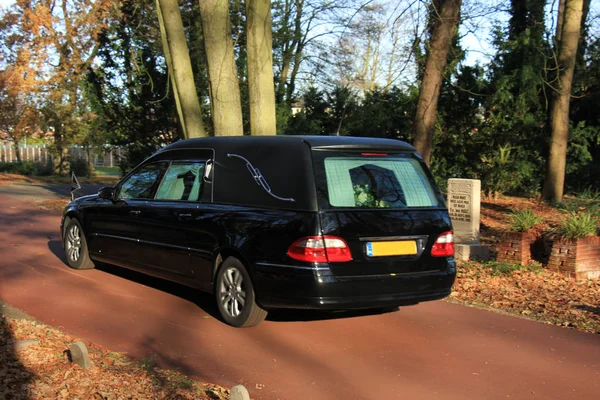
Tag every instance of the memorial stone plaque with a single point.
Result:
(464, 200)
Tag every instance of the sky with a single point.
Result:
(478, 45)
(476, 32)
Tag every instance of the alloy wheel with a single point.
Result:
(232, 293)
(73, 243)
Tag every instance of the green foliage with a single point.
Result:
(313, 119)
(129, 85)
(27, 168)
(590, 193)
(364, 197)
(148, 364)
(183, 382)
(523, 220)
(499, 171)
(588, 201)
(578, 225)
(283, 114)
(583, 157)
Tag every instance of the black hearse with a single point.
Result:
(314, 222)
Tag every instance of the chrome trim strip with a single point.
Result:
(392, 238)
(391, 275)
(264, 264)
(116, 237)
(172, 246)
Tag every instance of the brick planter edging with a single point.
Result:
(515, 247)
(579, 259)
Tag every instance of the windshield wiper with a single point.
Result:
(259, 178)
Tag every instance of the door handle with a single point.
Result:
(135, 213)
(183, 216)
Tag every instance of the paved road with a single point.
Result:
(28, 191)
(434, 350)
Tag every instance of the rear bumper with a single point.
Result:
(317, 288)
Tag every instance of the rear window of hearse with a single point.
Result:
(378, 181)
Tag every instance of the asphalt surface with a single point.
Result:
(29, 191)
(435, 350)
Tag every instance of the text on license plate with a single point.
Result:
(395, 248)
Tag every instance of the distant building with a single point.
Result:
(297, 106)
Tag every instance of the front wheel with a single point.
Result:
(235, 295)
(75, 246)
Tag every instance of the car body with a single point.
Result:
(316, 222)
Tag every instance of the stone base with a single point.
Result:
(469, 252)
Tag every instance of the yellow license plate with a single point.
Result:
(395, 248)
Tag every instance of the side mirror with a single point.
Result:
(107, 193)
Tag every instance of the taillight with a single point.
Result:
(320, 249)
(444, 245)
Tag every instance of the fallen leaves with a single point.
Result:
(54, 205)
(538, 294)
(41, 370)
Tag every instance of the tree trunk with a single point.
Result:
(180, 67)
(222, 73)
(559, 105)
(90, 161)
(446, 15)
(560, 18)
(17, 154)
(260, 67)
(297, 48)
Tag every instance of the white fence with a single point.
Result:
(41, 154)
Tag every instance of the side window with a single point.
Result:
(142, 184)
(183, 181)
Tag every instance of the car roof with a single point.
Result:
(315, 142)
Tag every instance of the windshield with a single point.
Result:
(373, 180)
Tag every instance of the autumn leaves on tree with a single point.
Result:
(52, 45)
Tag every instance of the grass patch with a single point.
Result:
(148, 364)
(499, 268)
(107, 171)
(587, 202)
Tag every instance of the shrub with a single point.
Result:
(80, 167)
(523, 220)
(21, 168)
(577, 226)
(44, 169)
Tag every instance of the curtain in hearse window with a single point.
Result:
(183, 181)
(378, 182)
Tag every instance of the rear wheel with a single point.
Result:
(75, 246)
(235, 295)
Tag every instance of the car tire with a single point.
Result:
(75, 246)
(235, 295)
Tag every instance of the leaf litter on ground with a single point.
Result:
(532, 292)
(34, 365)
